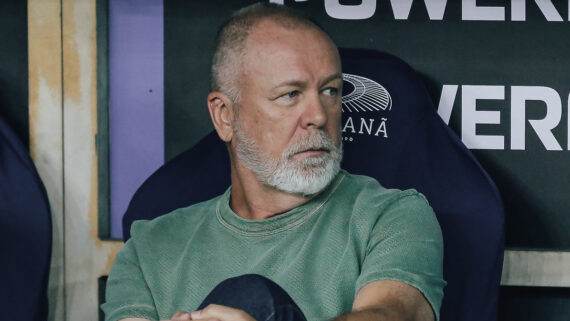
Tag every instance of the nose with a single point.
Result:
(314, 114)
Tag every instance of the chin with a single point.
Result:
(305, 180)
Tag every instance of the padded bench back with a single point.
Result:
(25, 233)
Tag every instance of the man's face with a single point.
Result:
(288, 126)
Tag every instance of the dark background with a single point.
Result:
(534, 183)
(14, 66)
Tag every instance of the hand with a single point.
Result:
(180, 316)
(213, 312)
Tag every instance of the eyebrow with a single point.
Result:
(291, 83)
(302, 84)
(331, 78)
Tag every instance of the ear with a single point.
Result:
(222, 114)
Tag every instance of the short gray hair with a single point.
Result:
(231, 40)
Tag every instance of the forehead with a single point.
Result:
(273, 48)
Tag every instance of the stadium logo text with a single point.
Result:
(470, 10)
(549, 104)
(364, 96)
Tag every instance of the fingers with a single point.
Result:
(221, 313)
(213, 312)
(181, 316)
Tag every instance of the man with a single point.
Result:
(339, 245)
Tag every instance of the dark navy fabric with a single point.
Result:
(25, 233)
(415, 149)
(261, 298)
(196, 175)
(421, 152)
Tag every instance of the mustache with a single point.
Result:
(317, 140)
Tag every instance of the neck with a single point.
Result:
(253, 200)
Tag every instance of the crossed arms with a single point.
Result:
(379, 300)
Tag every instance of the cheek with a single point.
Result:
(267, 128)
(334, 119)
(335, 134)
(277, 133)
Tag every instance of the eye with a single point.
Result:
(291, 94)
(331, 91)
(289, 97)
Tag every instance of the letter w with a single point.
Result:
(435, 8)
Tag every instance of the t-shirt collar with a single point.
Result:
(278, 223)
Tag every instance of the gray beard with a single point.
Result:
(306, 176)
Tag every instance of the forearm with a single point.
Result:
(371, 314)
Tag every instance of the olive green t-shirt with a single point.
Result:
(353, 233)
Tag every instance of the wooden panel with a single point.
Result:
(536, 268)
(86, 257)
(46, 140)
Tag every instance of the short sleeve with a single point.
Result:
(127, 294)
(406, 245)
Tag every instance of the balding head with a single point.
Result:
(276, 101)
(231, 41)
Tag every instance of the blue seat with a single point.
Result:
(25, 233)
(391, 132)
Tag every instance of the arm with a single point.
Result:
(380, 300)
(127, 296)
(389, 300)
(401, 275)
(211, 312)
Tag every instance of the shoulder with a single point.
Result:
(178, 222)
(371, 204)
(365, 191)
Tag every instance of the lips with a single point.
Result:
(316, 149)
(312, 150)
